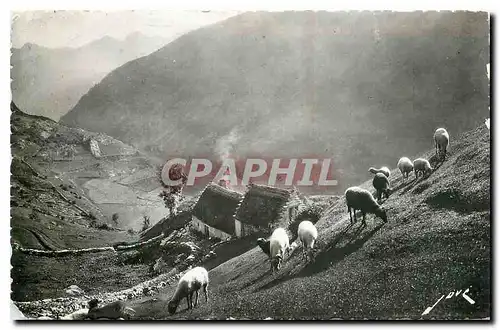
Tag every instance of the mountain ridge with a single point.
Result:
(294, 83)
(49, 81)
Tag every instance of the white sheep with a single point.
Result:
(279, 245)
(422, 165)
(308, 234)
(405, 166)
(194, 280)
(441, 141)
(361, 199)
(384, 169)
(115, 310)
(382, 186)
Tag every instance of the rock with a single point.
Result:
(159, 266)
(94, 148)
(74, 290)
(44, 318)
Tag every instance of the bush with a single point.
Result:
(104, 226)
(312, 213)
(146, 223)
(115, 218)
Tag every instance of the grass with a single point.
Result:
(437, 240)
(38, 277)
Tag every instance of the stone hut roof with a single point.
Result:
(262, 205)
(216, 207)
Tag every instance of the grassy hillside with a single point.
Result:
(436, 240)
(358, 87)
(49, 82)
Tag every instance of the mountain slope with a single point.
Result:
(436, 240)
(121, 180)
(49, 82)
(63, 196)
(358, 87)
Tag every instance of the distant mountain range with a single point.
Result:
(49, 82)
(362, 88)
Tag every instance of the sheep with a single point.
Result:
(308, 234)
(264, 244)
(279, 245)
(115, 310)
(194, 280)
(384, 169)
(405, 166)
(441, 141)
(381, 184)
(361, 199)
(422, 165)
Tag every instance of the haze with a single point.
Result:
(55, 29)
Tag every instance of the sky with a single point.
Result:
(55, 29)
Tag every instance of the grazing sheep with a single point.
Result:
(423, 166)
(264, 245)
(441, 141)
(308, 234)
(279, 245)
(405, 166)
(384, 169)
(361, 199)
(194, 280)
(381, 184)
(115, 310)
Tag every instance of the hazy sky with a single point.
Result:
(75, 28)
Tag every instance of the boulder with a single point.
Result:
(74, 290)
(80, 314)
(94, 148)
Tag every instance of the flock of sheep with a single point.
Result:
(361, 199)
(278, 245)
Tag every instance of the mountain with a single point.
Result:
(104, 174)
(66, 184)
(437, 240)
(361, 88)
(49, 82)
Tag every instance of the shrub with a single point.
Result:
(115, 218)
(146, 223)
(312, 213)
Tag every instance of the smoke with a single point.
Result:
(225, 145)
